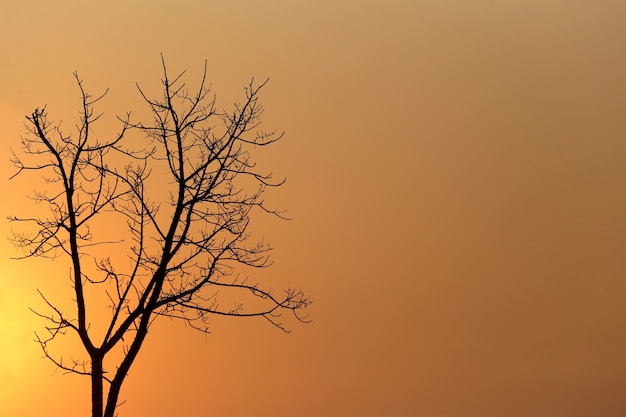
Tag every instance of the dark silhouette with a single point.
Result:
(178, 197)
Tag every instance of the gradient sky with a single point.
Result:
(456, 175)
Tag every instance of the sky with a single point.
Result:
(456, 179)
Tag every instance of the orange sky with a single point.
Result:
(457, 178)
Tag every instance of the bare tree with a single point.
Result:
(179, 192)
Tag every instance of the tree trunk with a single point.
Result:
(122, 370)
(96, 385)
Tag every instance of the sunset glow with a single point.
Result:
(456, 180)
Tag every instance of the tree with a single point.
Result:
(181, 190)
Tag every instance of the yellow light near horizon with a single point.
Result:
(17, 324)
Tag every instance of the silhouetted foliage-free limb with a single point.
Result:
(179, 191)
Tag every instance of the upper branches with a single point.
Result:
(73, 167)
(215, 185)
(180, 197)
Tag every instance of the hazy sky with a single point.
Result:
(456, 175)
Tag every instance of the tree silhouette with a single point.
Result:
(178, 192)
